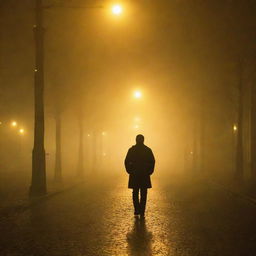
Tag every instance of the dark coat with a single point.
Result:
(140, 164)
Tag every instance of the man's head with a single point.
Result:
(139, 139)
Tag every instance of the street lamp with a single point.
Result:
(235, 128)
(14, 124)
(21, 131)
(38, 182)
(117, 9)
(137, 94)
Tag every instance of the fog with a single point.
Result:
(181, 57)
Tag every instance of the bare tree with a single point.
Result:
(240, 112)
(80, 163)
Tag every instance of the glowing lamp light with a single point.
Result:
(137, 94)
(103, 133)
(21, 131)
(117, 9)
(14, 124)
(235, 128)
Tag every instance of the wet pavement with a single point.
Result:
(183, 218)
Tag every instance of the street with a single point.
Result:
(182, 218)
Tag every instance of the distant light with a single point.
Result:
(103, 133)
(235, 128)
(191, 152)
(117, 9)
(14, 124)
(1, 123)
(137, 94)
(21, 131)
(88, 135)
(36, 70)
(137, 119)
(104, 154)
(136, 126)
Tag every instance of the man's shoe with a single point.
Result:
(142, 216)
(136, 213)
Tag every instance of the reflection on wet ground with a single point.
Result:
(127, 235)
(97, 220)
(139, 239)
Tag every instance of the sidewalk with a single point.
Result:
(245, 190)
(14, 192)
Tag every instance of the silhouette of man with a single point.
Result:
(140, 164)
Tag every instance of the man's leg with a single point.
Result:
(136, 204)
(143, 200)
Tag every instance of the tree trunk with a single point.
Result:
(58, 169)
(202, 132)
(80, 165)
(194, 152)
(253, 132)
(239, 151)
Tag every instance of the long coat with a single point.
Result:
(140, 164)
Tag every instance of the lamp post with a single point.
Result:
(38, 183)
(80, 164)
(21, 149)
(58, 166)
(235, 130)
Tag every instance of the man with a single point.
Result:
(140, 164)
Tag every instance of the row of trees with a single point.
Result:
(216, 33)
(225, 58)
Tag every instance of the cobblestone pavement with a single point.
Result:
(183, 218)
